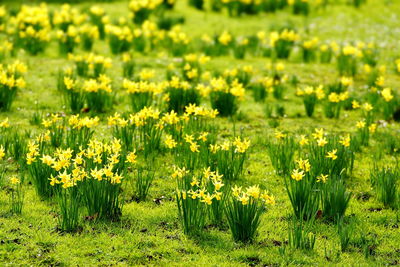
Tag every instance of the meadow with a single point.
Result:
(218, 133)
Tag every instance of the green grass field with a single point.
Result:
(149, 232)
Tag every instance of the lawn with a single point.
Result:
(150, 232)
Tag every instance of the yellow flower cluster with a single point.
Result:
(103, 83)
(138, 119)
(32, 22)
(326, 47)
(97, 10)
(177, 83)
(86, 122)
(170, 141)
(251, 194)
(149, 29)
(89, 30)
(387, 94)
(362, 124)
(69, 83)
(238, 145)
(194, 147)
(123, 33)
(225, 38)
(194, 58)
(6, 47)
(345, 140)
(319, 136)
(92, 60)
(193, 110)
(72, 169)
(133, 87)
(15, 180)
(33, 152)
(397, 62)
(72, 33)
(235, 88)
(349, 50)
(10, 75)
(235, 71)
(68, 15)
(52, 120)
(3, 14)
(137, 5)
(198, 190)
(2, 152)
(309, 90)
(285, 35)
(178, 36)
(336, 98)
(192, 63)
(310, 44)
(179, 172)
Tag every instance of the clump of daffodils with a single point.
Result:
(244, 210)
(10, 81)
(141, 131)
(142, 9)
(347, 60)
(17, 195)
(224, 96)
(310, 97)
(141, 92)
(90, 65)
(98, 93)
(195, 195)
(282, 42)
(31, 27)
(120, 38)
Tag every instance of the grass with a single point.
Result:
(149, 232)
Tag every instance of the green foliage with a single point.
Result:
(301, 235)
(303, 197)
(141, 183)
(69, 202)
(179, 98)
(244, 218)
(224, 102)
(334, 199)
(281, 153)
(17, 198)
(384, 180)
